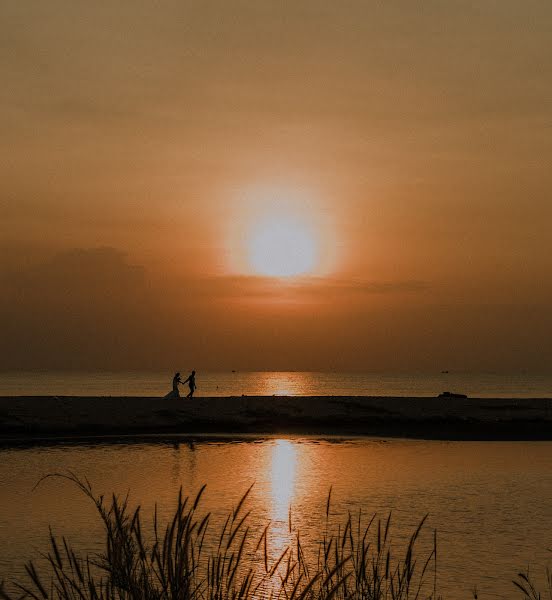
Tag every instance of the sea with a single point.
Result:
(268, 383)
(487, 503)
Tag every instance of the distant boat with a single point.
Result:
(451, 395)
(444, 371)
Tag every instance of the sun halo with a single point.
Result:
(282, 247)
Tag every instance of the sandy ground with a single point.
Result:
(35, 418)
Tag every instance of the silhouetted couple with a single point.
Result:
(175, 393)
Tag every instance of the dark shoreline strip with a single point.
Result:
(430, 430)
(44, 420)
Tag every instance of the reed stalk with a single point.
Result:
(356, 561)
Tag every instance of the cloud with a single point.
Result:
(81, 306)
(92, 308)
(94, 273)
(251, 287)
(373, 287)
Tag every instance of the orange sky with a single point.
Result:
(143, 144)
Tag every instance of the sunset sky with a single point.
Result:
(154, 153)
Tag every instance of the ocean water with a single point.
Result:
(476, 385)
(488, 501)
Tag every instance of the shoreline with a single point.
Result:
(40, 420)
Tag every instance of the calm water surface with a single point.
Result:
(490, 502)
(475, 385)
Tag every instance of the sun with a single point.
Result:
(282, 246)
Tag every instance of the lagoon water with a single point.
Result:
(488, 501)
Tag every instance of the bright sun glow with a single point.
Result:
(282, 247)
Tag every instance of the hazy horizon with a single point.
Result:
(145, 148)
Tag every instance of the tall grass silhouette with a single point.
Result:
(354, 561)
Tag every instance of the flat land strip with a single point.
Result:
(32, 419)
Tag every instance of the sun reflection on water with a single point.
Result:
(283, 473)
(282, 384)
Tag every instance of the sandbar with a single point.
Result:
(38, 419)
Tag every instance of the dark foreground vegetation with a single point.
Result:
(353, 562)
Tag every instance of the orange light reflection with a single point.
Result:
(284, 465)
(280, 384)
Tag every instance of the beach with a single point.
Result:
(44, 419)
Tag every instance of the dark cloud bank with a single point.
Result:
(94, 309)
